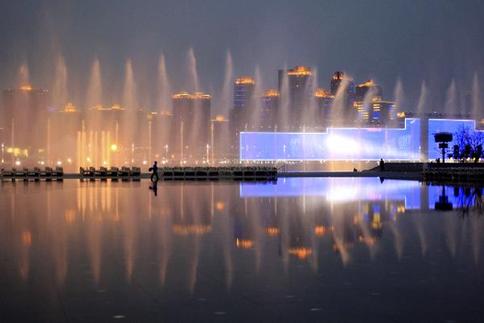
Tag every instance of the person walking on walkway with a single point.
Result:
(154, 172)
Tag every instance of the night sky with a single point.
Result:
(431, 40)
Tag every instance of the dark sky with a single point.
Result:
(411, 40)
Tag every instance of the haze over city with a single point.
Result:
(433, 41)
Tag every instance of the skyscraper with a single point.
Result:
(299, 82)
(369, 88)
(270, 107)
(191, 121)
(343, 90)
(324, 102)
(243, 102)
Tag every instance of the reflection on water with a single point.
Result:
(91, 251)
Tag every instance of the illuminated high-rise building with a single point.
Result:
(368, 88)
(191, 120)
(344, 98)
(324, 102)
(299, 86)
(243, 92)
(243, 102)
(376, 111)
(270, 107)
(25, 118)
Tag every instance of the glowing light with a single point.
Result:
(300, 252)
(70, 108)
(244, 243)
(26, 88)
(271, 93)
(272, 231)
(114, 148)
(17, 163)
(194, 96)
(191, 229)
(59, 163)
(219, 118)
(339, 144)
(369, 83)
(322, 93)
(220, 206)
(26, 238)
(244, 80)
(69, 160)
(299, 71)
(145, 162)
(321, 230)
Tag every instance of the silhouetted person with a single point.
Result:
(154, 172)
(382, 165)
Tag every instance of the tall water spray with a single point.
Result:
(283, 113)
(310, 112)
(220, 143)
(193, 84)
(164, 86)
(339, 104)
(59, 89)
(94, 88)
(451, 106)
(255, 109)
(422, 100)
(224, 103)
(476, 99)
(23, 75)
(130, 114)
(399, 96)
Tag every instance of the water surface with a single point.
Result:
(332, 250)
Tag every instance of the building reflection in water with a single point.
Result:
(111, 232)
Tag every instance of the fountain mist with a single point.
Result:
(94, 88)
(476, 100)
(59, 90)
(23, 75)
(450, 107)
(164, 86)
(193, 82)
(422, 100)
(283, 113)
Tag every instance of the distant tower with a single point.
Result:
(300, 84)
(336, 81)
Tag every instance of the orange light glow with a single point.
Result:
(245, 80)
(300, 71)
(301, 253)
(321, 230)
(193, 229)
(219, 118)
(220, 206)
(26, 88)
(369, 83)
(26, 238)
(244, 243)
(322, 93)
(271, 93)
(272, 231)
